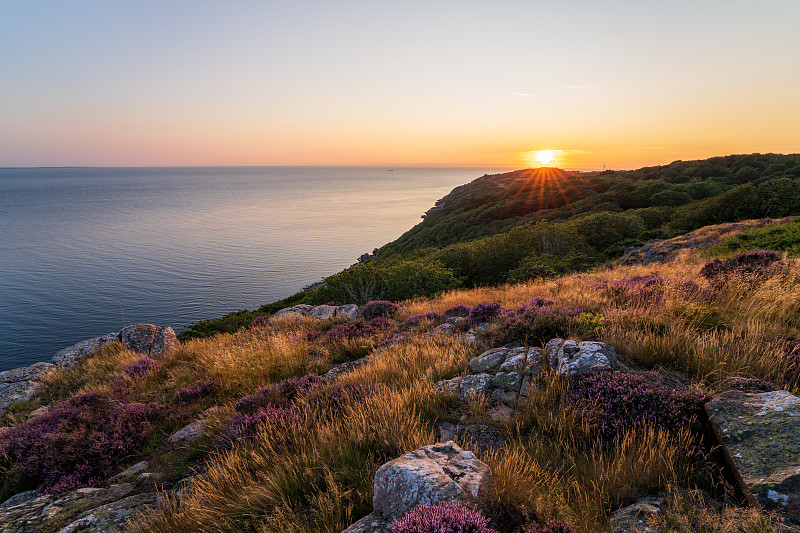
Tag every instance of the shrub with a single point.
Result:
(459, 310)
(197, 391)
(484, 312)
(750, 384)
(141, 368)
(434, 317)
(75, 444)
(540, 320)
(442, 518)
(552, 526)
(283, 422)
(379, 309)
(259, 322)
(754, 263)
(622, 400)
(636, 291)
(281, 394)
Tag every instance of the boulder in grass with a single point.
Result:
(300, 309)
(760, 435)
(571, 357)
(20, 384)
(149, 339)
(438, 473)
(348, 312)
(323, 312)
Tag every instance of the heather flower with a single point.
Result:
(619, 401)
(552, 526)
(197, 391)
(753, 263)
(75, 444)
(459, 310)
(442, 518)
(141, 368)
(379, 308)
(282, 422)
(484, 312)
(540, 320)
(434, 317)
(750, 384)
(258, 323)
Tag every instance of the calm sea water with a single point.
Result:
(84, 251)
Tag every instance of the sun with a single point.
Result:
(545, 157)
(542, 157)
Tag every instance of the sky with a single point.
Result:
(614, 84)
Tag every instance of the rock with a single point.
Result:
(578, 358)
(551, 350)
(348, 312)
(525, 388)
(760, 433)
(112, 516)
(141, 466)
(449, 385)
(189, 432)
(39, 411)
(429, 475)
(474, 385)
(510, 381)
(505, 397)
(488, 360)
(323, 312)
(372, 523)
(21, 384)
(442, 329)
(513, 363)
(447, 431)
(501, 413)
(638, 517)
(18, 498)
(482, 437)
(300, 309)
(52, 512)
(149, 339)
(343, 368)
(78, 351)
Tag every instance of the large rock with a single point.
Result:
(488, 360)
(475, 385)
(572, 357)
(639, 517)
(323, 312)
(300, 309)
(760, 434)
(348, 312)
(429, 475)
(88, 510)
(149, 339)
(73, 354)
(20, 384)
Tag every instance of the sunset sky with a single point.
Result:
(615, 83)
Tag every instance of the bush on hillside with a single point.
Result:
(619, 401)
(484, 312)
(548, 266)
(442, 518)
(379, 309)
(638, 291)
(779, 237)
(75, 444)
(197, 391)
(431, 317)
(459, 310)
(750, 384)
(540, 320)
(755, 263)
(141, 368)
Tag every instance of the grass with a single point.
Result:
(319, 478)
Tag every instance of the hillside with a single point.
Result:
(239, 433)
(541, 223)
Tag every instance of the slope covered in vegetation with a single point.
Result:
(285, 450)
(540, 223)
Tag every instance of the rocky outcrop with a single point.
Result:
(438, 473)
(321, 312)
(20, 384)
(570, 357)
(78, 351)
(147, 339)
(88, 510)
(760, 434)
(641, 516)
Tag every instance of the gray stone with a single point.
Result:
(372, 523)
(760, 433)
(639, 517)
(19, 498)
(551, 350)
(474, 385)
(510, 381)
(323, 312)
(488, 360)
(21, 384)
(189, 432)
(513, 363)
(501, 413)
(449, 385)
(149, 339)
(112, 516)
(525, 388)
(73, 354)
(482, 437)
(578, 358)
(506, 397)
(348, 312)
(432, 474)
(447, 431)
(141, 466)
(299, 309)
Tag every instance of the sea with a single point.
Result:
(87, 251)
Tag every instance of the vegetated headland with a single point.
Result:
(570, 333)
